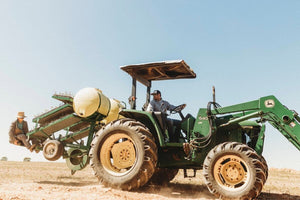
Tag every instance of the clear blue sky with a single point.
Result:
(247, 49)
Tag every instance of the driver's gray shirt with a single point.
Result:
(160, 106)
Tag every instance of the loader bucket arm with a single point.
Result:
(268, 109)
(280, 117)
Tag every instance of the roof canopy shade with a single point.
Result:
(165, 70)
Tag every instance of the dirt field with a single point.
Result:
(49, 180)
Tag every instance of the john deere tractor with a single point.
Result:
(127, 148)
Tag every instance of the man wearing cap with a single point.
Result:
(160, 105)
(18, 130)
(157, 104)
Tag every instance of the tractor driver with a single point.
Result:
(157, 104)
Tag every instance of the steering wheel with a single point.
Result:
(178, 109)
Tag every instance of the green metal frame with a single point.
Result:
(268, 109)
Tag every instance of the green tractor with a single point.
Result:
(127, 148)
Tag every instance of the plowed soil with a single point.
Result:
(52, 180)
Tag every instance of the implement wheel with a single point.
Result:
(77, 159)
(123, 154)
(234, 171)
(53, 150)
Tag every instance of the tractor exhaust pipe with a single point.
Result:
(214, 94)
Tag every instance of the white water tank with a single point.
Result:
(89, 101)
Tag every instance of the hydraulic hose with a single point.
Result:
(202, 142)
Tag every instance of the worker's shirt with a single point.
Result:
(19, 128)
(160, 106)
(19, 125)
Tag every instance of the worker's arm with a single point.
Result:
(169, 106)
(25, 128)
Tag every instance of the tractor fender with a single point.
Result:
(148, 120)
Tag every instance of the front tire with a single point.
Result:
(123, 154)
(234, 171)
(266, 168)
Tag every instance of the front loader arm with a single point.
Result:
(280, 117)
(268, 109)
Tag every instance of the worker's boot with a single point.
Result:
(32, 147)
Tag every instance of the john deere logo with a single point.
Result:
(269, 103)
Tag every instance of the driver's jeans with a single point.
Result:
(173, 136)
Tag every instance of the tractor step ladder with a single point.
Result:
(185, 174)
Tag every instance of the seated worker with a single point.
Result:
(157, 104)
(18, 130)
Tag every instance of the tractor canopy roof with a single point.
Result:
(165, 70)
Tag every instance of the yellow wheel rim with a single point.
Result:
(231, 171)
(117, 154)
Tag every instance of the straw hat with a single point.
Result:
(21, 115)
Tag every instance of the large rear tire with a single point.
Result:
(234, 171)
(123, 154)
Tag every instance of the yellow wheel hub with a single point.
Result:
(117, 152)
(123, 154)
(230, 171)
